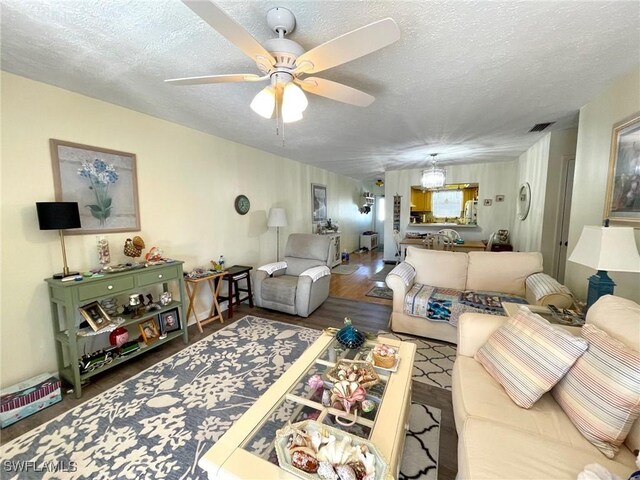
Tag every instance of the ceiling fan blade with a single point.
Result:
(230, 29)
(241, 77)
(349, 46)
(336, 91)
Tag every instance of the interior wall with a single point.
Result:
(532, 168)
(618, 102)
(187, 182)
(562, 145)
(494, 178)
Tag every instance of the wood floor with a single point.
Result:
(367, 313)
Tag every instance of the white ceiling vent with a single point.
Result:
(538, 127)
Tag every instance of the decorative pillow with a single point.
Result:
(601, 392)
(528, 356)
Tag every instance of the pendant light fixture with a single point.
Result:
(433, 177)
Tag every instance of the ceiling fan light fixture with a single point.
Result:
(264, 102)
(293, 98)
(290, 116)
(433, 177)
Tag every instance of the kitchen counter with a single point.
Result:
(441, 225)
(467, 246)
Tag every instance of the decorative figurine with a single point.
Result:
(133, 248)
(104, 257)
(165, 298)
(349, 336)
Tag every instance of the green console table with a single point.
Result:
(66, 297)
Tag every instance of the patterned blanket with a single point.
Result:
(447, 304)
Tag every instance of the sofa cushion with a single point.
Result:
(619, 317)
(501, 271)
(527, 356)
(477, 394)
(601, 392)
(280, 290)
(435, 267)
(491, 450)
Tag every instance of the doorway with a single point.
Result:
(564, 214)
(379, 218)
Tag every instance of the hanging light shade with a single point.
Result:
(264, 102)
(433, 177)
(294, 98)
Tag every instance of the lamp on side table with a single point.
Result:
(605, 249)
(59, 216)
(277, 218)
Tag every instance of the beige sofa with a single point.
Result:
(499, 440)
(503, 272)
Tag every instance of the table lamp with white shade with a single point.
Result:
(277, 218)
(605, 249)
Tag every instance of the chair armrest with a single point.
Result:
(271, 268)
(474, 329)
(400, 280)
(316, 273)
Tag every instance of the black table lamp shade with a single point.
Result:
(58, 215)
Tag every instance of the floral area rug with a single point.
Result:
(433, 363)
(159, 423)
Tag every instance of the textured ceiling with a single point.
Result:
(467, 79)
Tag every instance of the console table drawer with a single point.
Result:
(104, 288)
(149, 278)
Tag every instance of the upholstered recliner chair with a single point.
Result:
(299, 284)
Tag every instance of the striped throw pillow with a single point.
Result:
(528, 356)
(601, 392)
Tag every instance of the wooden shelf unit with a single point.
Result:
(66, 297)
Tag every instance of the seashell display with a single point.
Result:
(326, 398)
(304, 461)
(359, 469)
(326, 471)
(331, 454)
(384, 356)
(354, 371)
(345, 472)
(315, 382)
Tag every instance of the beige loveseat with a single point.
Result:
(502, 272)
(499, 440)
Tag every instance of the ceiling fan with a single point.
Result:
(286, 64)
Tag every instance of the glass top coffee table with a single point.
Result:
(247, 449)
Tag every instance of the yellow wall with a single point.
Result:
(187, 181)
(616, 103)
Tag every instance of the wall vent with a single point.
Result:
(538, 127)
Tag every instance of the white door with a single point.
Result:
(378, 219)
(563, 219)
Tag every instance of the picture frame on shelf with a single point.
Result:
(622, 201)
(169, 321)
(95, 315)
(103, 181)
(318, 203)
(149, 330)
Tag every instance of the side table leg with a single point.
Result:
(192, 290)
(249, 290)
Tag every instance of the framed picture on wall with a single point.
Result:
(622, 203)
(103, 182)
(318, 203)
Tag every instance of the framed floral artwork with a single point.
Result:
(103, 182)
(318, 203)
(622, 203)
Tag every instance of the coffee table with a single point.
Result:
(246, 450)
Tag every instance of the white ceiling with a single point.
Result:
(467, 79)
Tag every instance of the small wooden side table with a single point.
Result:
(215, 282)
